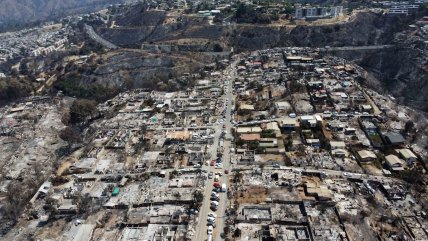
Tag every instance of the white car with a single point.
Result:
(210, 229)
(212, 214)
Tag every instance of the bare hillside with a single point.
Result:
(13, 12)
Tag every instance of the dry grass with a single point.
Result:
(52, 232)
(64, 166)
(372, 169)
(326, 133)
(253, 195)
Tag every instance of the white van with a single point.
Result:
(216, 178)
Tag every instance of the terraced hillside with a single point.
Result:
(156, 27)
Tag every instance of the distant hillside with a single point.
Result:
(15, 13)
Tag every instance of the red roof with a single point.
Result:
(250, 137)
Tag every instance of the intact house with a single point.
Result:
(283, 106)
(338, 149)
(366, 156)
(244, 130)
(334, 145)
(289, 124)
(249, 137)
(394, 163)
(313, 142)
(394, 139)
(407, 155)
(309, 120)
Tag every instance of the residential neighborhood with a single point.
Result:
(226, 120)
(292, 147)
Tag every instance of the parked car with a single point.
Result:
(223, 187)
(210, 229)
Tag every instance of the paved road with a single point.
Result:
(94, 36)
(47, 83)
(221, 212)
(351, 48)
(201, 232)
(376, 110)
(184, 128)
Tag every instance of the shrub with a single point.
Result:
(81, 109)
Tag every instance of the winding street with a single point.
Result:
(94, 36)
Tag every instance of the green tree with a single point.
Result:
(197, 198)
(237, 233)
(51, 205)
(81, 109)
(84, 203)
(288, 8)
(289, 142)
(408, 127)
(268, 134)
(15, 200)
(296, 87)
(173, 174)
(217, 48)
(413, 176)
(70, 135)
